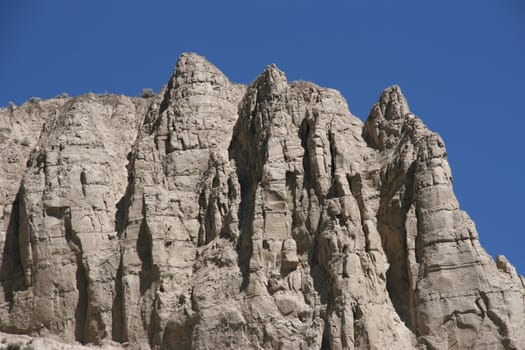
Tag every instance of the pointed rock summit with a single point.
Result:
(219, 215)
(193, 69)
(392, 103)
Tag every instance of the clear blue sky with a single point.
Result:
(461, 64)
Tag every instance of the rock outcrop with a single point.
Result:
(219, 215)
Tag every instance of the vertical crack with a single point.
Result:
(395, 203)
(144, 251)
(118, 327)
(12, 266)
(81, 278)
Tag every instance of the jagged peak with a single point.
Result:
(193, 72)
(271, 79)
(194, 68)
(189, 60)
(190, 55)
(383, 127)
(392, 103)
(235, 212)
(273, 70)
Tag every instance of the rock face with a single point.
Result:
(218, 215)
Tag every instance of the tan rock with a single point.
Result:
(217, 215)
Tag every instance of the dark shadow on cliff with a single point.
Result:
(75, 244)
(245, 214)
(118, 329)
(148, 273)
(11, 272)
(391, 227)
(242, 151)
(122, 213)
(118, 326)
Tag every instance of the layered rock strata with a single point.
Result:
(219, 215)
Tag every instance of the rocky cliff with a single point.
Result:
(218, 215)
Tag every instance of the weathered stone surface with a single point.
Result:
(217, 215)
(58, 270)
(20, 130)
(445, 286)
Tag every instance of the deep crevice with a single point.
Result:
(325, 343)
(305, 134)
(391, 227)
(118, 327)
(245, 244)
(11, 272)
(333, 153)
(148, 274)
(122, 213)
(81, 277)
(82, 303)
(243, 152)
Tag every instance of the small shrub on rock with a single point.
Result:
(147, 92)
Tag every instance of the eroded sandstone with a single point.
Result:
(218, 215)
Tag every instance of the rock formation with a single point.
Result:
(218, 215)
